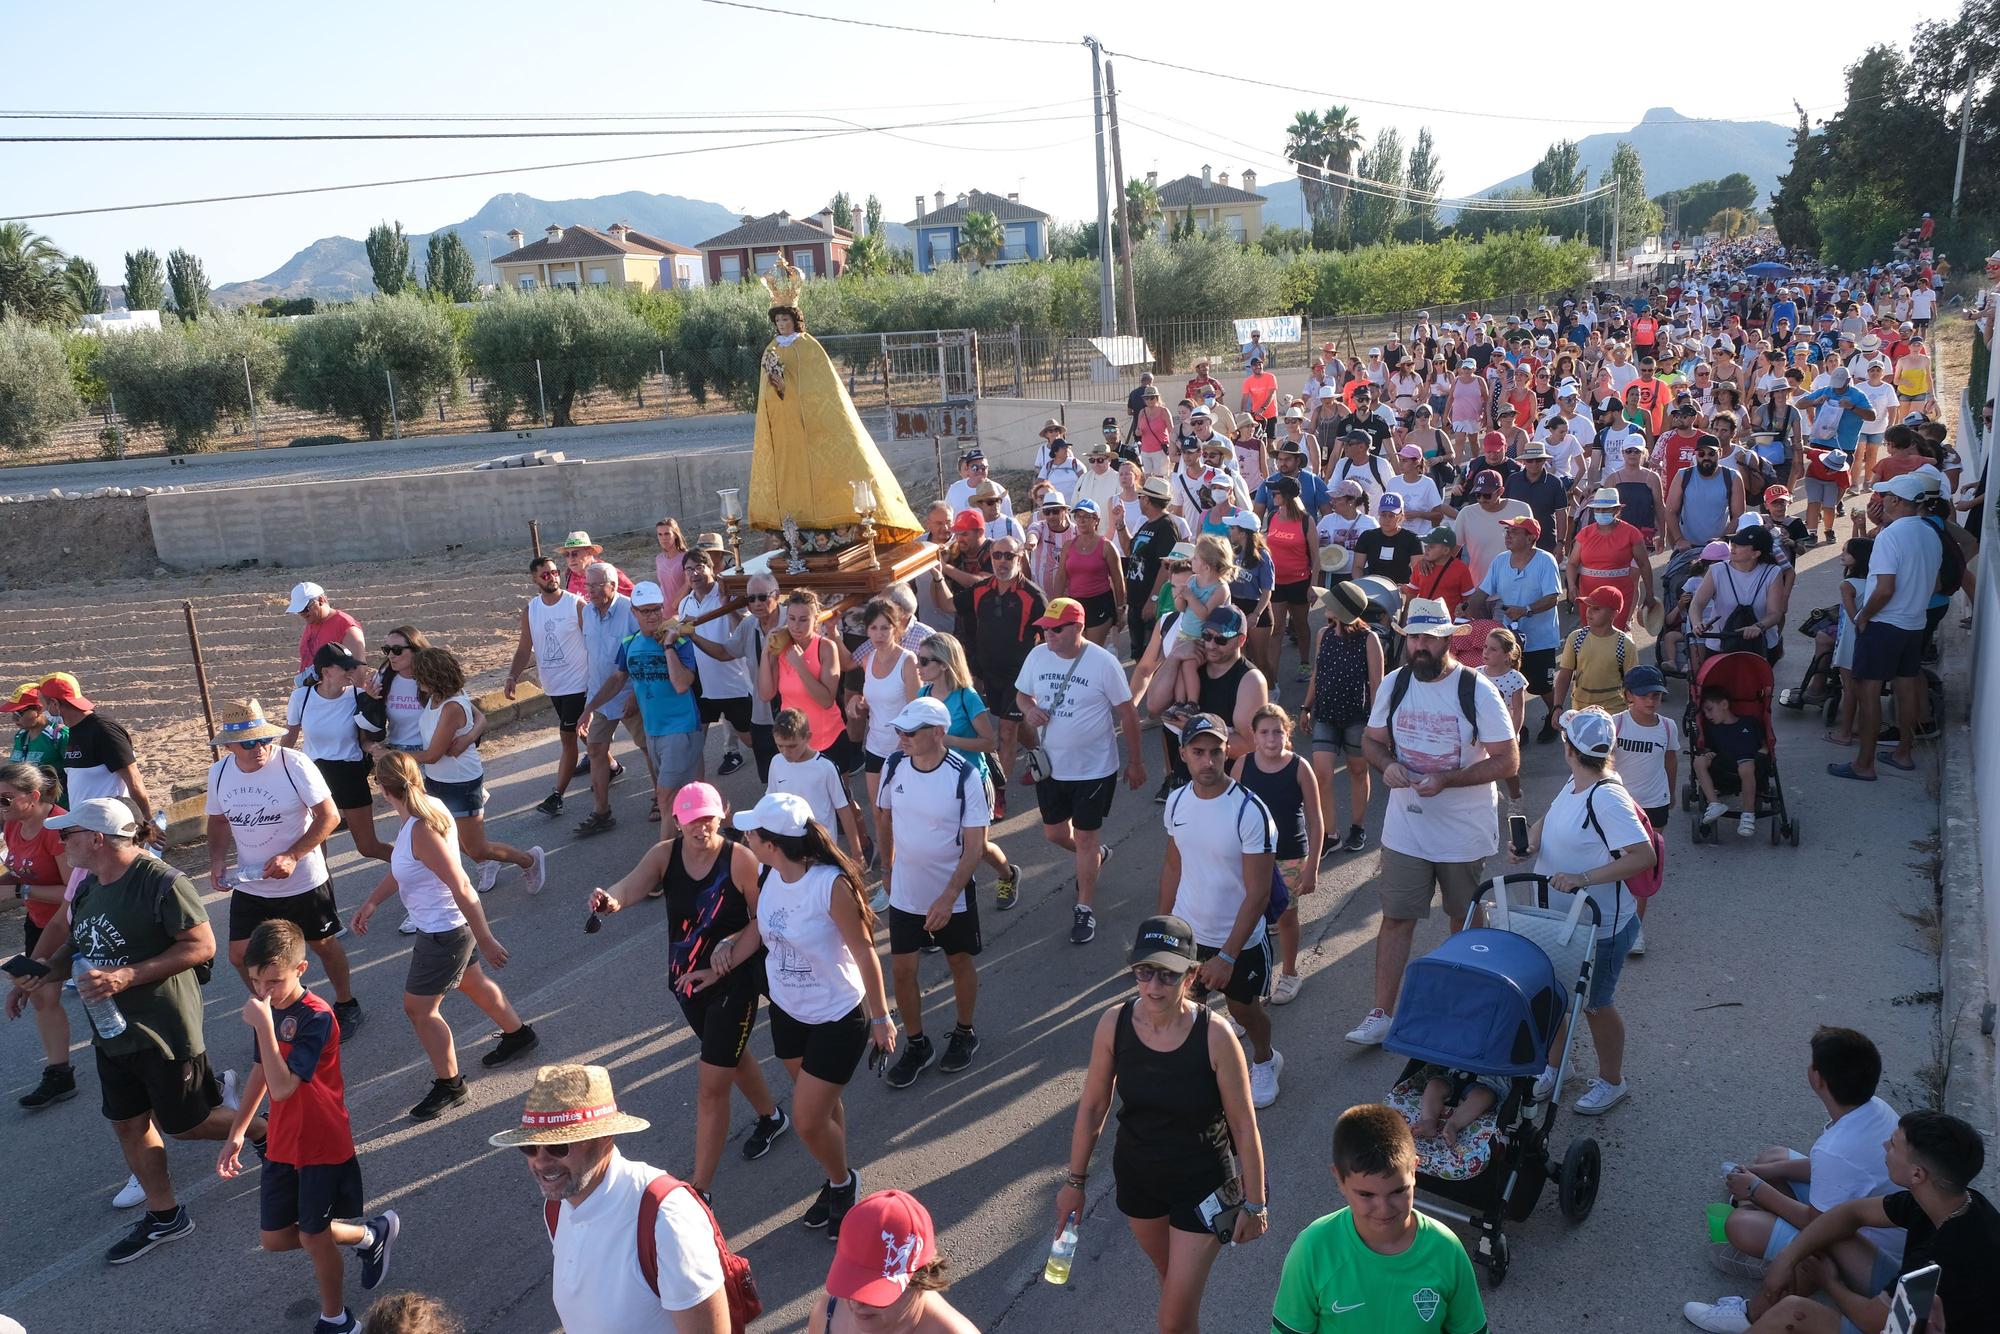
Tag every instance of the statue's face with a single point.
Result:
(783, 321)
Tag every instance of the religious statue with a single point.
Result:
(810, 445)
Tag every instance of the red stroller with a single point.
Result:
(1752, 690)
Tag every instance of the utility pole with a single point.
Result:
(1125, 237)
(1617, 223)
(1964, 128)
(1107, 302)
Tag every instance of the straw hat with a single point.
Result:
(243, 720)
(567, 1104)
(1427, 616)
(580, 541)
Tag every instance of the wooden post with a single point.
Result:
(200, 670)
(535, 536)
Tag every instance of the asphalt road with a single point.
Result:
(1751, 946)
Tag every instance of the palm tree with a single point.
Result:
(1305, 144)
(31, 283)
(79, 277)
(1142, 207)
(1343, 141)
(980, 238)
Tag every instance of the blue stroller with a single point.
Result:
(1488, 1002)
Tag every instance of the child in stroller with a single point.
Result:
(1735, 742)
(1470, 1094)
(1682, 577)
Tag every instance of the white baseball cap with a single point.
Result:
(1590, 731)
(648, 594)
(920, 713)
(303, 594)
(100, 815)
(781, 813)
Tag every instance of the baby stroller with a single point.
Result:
(1820, 687)
(1747, 677)
(1489, 1001)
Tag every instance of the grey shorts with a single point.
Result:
(604, 722)
(676, 758)
(438, 959)
(1821, 493)
(1407, 884)
(1341, 738)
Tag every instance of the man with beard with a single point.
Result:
(1702, 501)
(1441, 737)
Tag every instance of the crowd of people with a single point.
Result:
(1461, 519)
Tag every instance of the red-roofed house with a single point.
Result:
(816, 247)
(618, 256)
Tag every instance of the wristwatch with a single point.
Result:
(1256, 1210)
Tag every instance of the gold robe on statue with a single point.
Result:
(809, 444)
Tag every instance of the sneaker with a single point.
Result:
(347, 1324)
(653, 811)
(375, 1255)
(348, 1015)
(1356, 840)
(1165, 790)
(1104, 851)
(839, 1200)
(821, 1208)
(919, 1054)
(408, 928)
(1735, 1263)
(1286, 989)
(583, 765)
(1264, 1079)
(597, 822)
(1545, 1083)
(732, 760)
(1724, 1315)
(149, 1232)
(444, 1094)
(1370, 1031)
(489, 876)
(999, 804)
(1007, 889)
(878, 902)
(767, 1131)
(550, 805)
(1601, 1097)
(1639, 941)
(959, 1048)
(1083, 926)
(1746, 825)
(617, 771)
(1548, 732)
(1329, 845)
(129, 1194)
(58, 1085)
(512, 1044)
(1712, 812)
(537, 873)
(232, 1090)
(1304, 672)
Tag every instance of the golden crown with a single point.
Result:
(784, 283)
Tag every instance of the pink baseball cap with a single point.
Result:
(697, 801)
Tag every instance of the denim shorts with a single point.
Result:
(465, 800)
(1609, 963)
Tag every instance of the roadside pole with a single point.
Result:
(200, 670)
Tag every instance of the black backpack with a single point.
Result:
(1467, 699)
(1951, 565)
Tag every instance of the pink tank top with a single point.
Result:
(1153, 431)
(1089, 577)
(827, 726)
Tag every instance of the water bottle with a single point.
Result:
(108, 1019)
(1056, 1271)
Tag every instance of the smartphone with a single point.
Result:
(1910, 1306)
(24, 967)
(1517, 830)
(1219, 1211)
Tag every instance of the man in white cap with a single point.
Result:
(722, 661)
(931, 844)
(658, 665)
(608, 621)
(592, 1195)
(973, 471)
(137, 932)
(1441, 737)
(323, 624)
(1889, 627)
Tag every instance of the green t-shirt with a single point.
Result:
(129, 921)
(44, 745)
(1334, 1284)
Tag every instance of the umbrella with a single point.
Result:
(1769, 268)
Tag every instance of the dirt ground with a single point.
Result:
(126, 639)
(107, 538)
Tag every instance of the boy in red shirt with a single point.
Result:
(310, 1177)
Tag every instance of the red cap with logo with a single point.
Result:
(883, 1239)
(62, 686)
(23, 699)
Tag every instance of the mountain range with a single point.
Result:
(1675, 151)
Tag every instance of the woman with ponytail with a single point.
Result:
(828, 1004)
(37, 869)
(424, 872)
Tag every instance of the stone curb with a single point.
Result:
(1964, 1014)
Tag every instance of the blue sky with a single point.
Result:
(712, 65)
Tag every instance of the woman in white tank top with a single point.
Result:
(828, 1002)
(888, 681)
(450, 921)
(457, 781)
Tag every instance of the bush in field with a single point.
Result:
(187, 378)
(341, 362)
(582, 340)
(36, 395)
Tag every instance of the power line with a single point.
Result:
(891, 27)
(462, 134)
(480, 116)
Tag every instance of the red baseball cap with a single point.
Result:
(1492, 440)
(884, 1237)
(1528, 524)
(1607, 597)
(64, 687)
(23, 699)
(1061, 611)
(968, 521)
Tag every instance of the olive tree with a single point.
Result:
(185, 379)
(36, 393)
(581, 341)
(343, 362)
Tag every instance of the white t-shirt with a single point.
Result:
(1909, 549)
(1570, 844)
(1481, 534)
(719, 679)
(1082, 736)
(1623, 377)
(816, 782)
(1642, 757)
(403, 708)
(598, 1287)
(326, 726)
(1373, 473)
(929, 813)
(1923, 302)
(1422, 494)
(959, 496)
(1847, 1164)
(1213, 836)
(1431, 734)
(1335, 531)
(1882, 398)
(556, 631)
(268, 811)
(811, 973)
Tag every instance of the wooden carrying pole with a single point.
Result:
(200, 669)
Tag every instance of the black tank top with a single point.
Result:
(1217, 694)
(1169, 1103)
(1284, 799)
(699, 912)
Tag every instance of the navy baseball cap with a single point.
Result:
(1225, 621)
(1646, 680)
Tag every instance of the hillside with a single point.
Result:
(335, 268)
(1675, 153)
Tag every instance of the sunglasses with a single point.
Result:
(552, 1150)
(1005, 555)
(1209, 637)
(256, 744)
(1146, 972)
(391, 650)
(9, 801)
(923, 661)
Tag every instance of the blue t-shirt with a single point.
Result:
(964, 705)
(1312, 493)
(1787, 311)
(1509, 587)
(664, 709)
(1850, 424)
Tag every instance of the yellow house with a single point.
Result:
(585, 257)
(1214, 203)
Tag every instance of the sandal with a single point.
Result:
(653, 814)
(597, 822)
(1831, 739)
(1886, 758)
(1848, 771)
